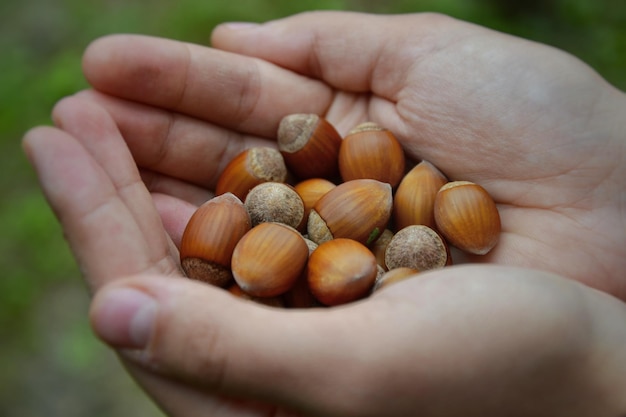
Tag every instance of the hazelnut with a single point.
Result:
(310, 191)
(236, 290)
(210, 237)
(371, 151)
(467, 217)
(275, 202)
(357, 209)
(392, 276)
(309, 144)
(414, 200)
(300, 296)
(268, 259)
(418, 247)
(379, 247)
(250, 168)
(341, 271)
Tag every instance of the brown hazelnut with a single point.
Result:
(341, 271)
(210, 237)
(310, 145)
(371, 151)
(467, 217)
(268, 259)
(250, 168)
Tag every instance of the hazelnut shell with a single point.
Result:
(467, 217)
(210, 237)
(418, 247)
(310, 145)
(414, 200)
(341, 271)
(371, 151)
(268, 259)
(357, 209)
(251, 167)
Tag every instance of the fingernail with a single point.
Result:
(124, 317)
(240, 25)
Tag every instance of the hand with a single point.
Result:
(534, 126)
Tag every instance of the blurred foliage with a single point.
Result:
(41, 43)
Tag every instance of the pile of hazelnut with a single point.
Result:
(325, 220)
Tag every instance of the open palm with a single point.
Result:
(534, 126)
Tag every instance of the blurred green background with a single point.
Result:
(51, 365)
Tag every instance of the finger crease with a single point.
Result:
(314, 64)
(249, 95)
(163, 150)
(177, 103)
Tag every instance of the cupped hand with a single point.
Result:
(534, 126)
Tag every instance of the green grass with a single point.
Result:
(41, 44)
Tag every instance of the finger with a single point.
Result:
(352, 51)
(97, 132)
(175, 213)
(382, 60)
(89, 207)
(408, 62)
(234, 91)
(162, 184)
(173, 144)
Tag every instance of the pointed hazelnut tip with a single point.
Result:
(366, 127)
(227, 197)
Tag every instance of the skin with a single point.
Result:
(535, 328)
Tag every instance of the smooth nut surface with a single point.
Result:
(268, 259)
(341, 271)
(210, 237)
(358, 210)
(309, 144)
(467, 217)
(250, 168)
(414, 200)
(371, 151)
(393, 276)
(310, 191)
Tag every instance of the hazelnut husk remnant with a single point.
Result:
(310, 145)
(249, 169)
(418, 247)
(275, 202)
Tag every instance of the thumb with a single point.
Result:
(206, 337)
